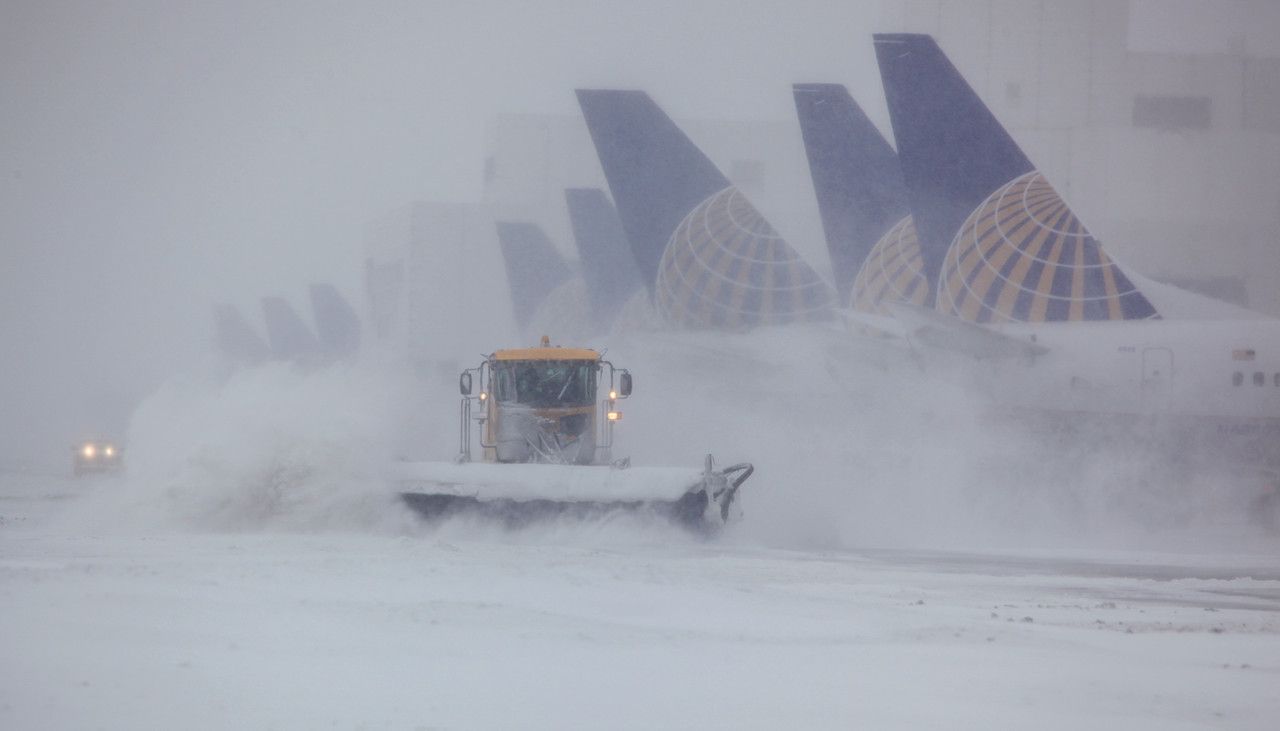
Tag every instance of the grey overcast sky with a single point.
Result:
(157, 157)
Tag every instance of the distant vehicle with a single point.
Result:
(94, 456)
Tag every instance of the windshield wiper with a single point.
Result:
(568, 379)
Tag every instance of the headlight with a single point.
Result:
(89, 451)
(110, 451)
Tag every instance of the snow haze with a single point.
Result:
(156, 158)
(907, 557)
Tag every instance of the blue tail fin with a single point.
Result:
(337, 324)
(656, 173)
(709, 257)
(288, 335)
(855, 175)
(607, 263)
(997, 242)
(236, 338)
(534, 267)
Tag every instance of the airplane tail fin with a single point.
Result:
(534, 267)
(656, 173)
(607, 264)
(337, 324)
(288, 336)
(236, 338)
(997, 241)
(855, 175)
(710, 259)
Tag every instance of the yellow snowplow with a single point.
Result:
(541, 421)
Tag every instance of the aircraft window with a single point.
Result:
(1262, 81)
(1259, 378)
(1172, 112)
(1237, 378)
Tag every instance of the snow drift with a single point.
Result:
(274, 447)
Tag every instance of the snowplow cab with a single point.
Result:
(544, 418)
(543, 404)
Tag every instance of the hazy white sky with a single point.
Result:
(157, 157)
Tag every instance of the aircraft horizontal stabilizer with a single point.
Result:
(855, 319)
(936, 330)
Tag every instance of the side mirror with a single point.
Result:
(464, 383)
(624, 385)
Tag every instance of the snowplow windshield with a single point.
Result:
(546, 383)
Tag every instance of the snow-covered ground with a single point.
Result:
(611, 626)
(902, 564)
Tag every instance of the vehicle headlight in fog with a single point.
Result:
(89, 451)
(110, 451)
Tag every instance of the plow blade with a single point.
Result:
(516, 495)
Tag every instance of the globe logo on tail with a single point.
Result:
(725, 267)
(893, 271)
(1023, 256)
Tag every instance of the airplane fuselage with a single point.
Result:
(1228, 368)
(1206, 387)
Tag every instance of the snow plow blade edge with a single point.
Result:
(518, 495)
